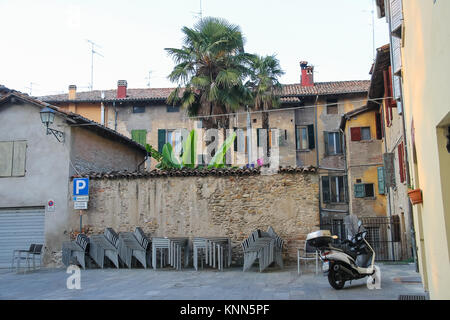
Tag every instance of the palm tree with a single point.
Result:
(264, 85)
(210, 70)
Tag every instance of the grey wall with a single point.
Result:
(47, 169)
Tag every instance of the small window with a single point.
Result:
(301, 137)
(173, 109)
(332, 106)
(334, 189)
(138, 109)
(333, 143)
(365, 133)
(364, 190)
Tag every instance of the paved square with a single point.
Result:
(206, 284)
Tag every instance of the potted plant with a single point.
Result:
(415, 195)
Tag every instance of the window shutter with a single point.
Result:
(140, 136)
(401, 163)
(389, 171)
(325, 136)
(6, 154)
(346, 188)
(326, 189)
(391, 94)
(380, 180)
(161, 139)
(311, 139)
(355, 133)
(360, 191)
(378, 125)
(258, 137)
(19, 155)
(386, 95)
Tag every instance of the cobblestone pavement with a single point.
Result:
(206, 284)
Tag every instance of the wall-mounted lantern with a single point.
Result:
(47, 117)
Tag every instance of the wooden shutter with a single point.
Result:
(140, 136)
(381, 183)
(389, 171)
(19, 156)
(311, 138)
(161, 139)
(326, 189)
(396, 15)
(6, 154)
(378, 125)
(401, 162)
(355, 133)
(325, 136)
(391, 94)
(360, 191)
(346, 188)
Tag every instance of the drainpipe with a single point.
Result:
(317, 159)
(115, 115)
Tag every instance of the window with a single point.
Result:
(171, 136)
(12, 158)
(365, 133)
(360, 133)
(334, 189)
(138, 109)
(332, 143)
(140, 136)
(301, 137)
(364, 190)
(173, 109)
(332, 106)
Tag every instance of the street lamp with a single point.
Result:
(47, 117)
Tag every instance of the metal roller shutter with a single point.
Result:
(19, 228)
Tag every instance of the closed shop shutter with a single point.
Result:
(19, 228)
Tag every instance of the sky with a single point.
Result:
(45, 49)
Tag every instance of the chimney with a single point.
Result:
(307, 77)
(72, 92)
(121, 89)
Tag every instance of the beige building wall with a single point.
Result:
(426, 78)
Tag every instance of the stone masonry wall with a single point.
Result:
(230, 206)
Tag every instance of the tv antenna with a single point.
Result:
(148, 78)
(373, 27)
(93, 45)
(199, 14)
(31, 87)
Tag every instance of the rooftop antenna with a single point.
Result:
(148, 78)
(93, 45)
(373, 27)
(199, 14)
(31, 87)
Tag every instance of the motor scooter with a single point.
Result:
(353, 259)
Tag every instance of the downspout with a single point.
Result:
(115, 116)
(345, 167)
(317, 159)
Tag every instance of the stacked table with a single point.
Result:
(213, 251)
(170, 251)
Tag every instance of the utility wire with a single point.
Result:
(284, 109)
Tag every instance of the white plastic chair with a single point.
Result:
(309, 254)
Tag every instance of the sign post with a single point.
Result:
(80, 196)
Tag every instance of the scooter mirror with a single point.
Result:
(359, 223)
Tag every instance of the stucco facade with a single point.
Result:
(49, 163)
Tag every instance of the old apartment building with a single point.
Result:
(307, 122)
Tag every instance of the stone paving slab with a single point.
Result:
(204, 284)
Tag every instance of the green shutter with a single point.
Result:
(325, 136)
(326, 189)
(346, 188)
(140, 136)
(360, 191)
(161, 139)
(311, 140)
(380, 180)
(258, 143)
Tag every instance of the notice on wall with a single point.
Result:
(51, 206)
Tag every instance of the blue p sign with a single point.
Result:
(81, 186)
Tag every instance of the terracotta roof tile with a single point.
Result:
(290, 92)
(188, 172)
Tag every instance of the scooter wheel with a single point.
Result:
(336, 280)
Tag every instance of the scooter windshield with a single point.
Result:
(351, 225)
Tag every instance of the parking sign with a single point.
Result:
(81, 186)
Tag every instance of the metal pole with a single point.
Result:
(81, 221)
(249, 138)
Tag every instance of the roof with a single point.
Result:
(186, 172)
(356, 112)
(290, 92)
(74, 118)
(382, 62)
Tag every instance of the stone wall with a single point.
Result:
(230, 206)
